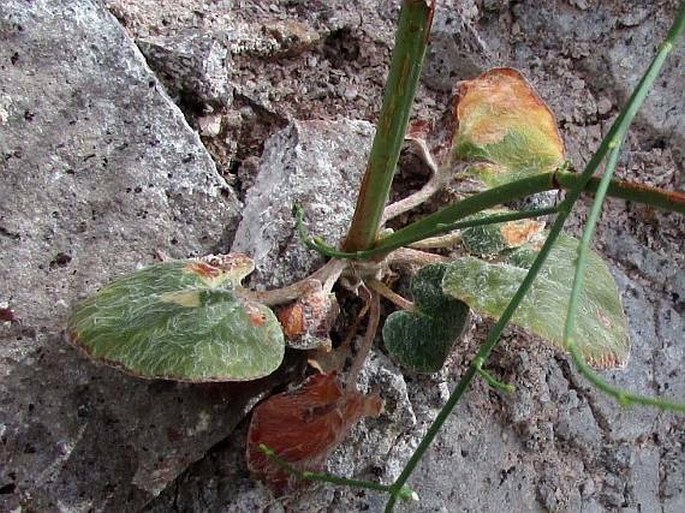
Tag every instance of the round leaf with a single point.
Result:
(181, 320)
(504, 123)
(423, 339)
(601, 332)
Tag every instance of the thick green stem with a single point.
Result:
(416, 17)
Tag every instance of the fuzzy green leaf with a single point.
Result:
(491, 239)
(421, 340)
(505, 125)
(181, 320)
(601, 332)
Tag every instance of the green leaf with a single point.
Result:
(491, 239)
(505, 125)
(181, 320)
(487, 288)
(421, 340)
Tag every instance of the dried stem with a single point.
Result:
(322, 279)
(367, 342)
(433, 185)
(408, 256)
(389, 294)
(440, 241)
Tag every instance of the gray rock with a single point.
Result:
(628, 34)
(629, 57)
(194, 68)
(317, 165)
(664, 271)
(457, 50)
(383, 444)
(99, 171)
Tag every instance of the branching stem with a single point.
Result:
(616, 134)
(322, 279)
(434, 184)
(624, 398)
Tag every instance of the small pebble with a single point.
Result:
(604, 106)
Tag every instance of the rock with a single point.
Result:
(380, 446)
(210, 125)
(630, 56)
(626, 51)
(317, 165)
(194, 68)
(457, 51)
(99, 172)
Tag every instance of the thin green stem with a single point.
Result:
(616, 133)
(451, 217)
(436, 223)
(624, 398)
(603, 188)
(493, 382)
(416, 17)
(324, 477)
(485, 349)
(500, 218)
(320, 246)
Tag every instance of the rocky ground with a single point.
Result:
(129, 128)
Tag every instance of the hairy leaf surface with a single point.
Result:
(504, 125)
(421, 340)
(601, 332)
(181, 320)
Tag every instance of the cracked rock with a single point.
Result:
(194, 68)
(99, 171)
(315, 164)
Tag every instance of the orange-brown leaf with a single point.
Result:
(503, 121)
(304, 426)
(307, 321)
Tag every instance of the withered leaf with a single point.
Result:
(304, 426)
